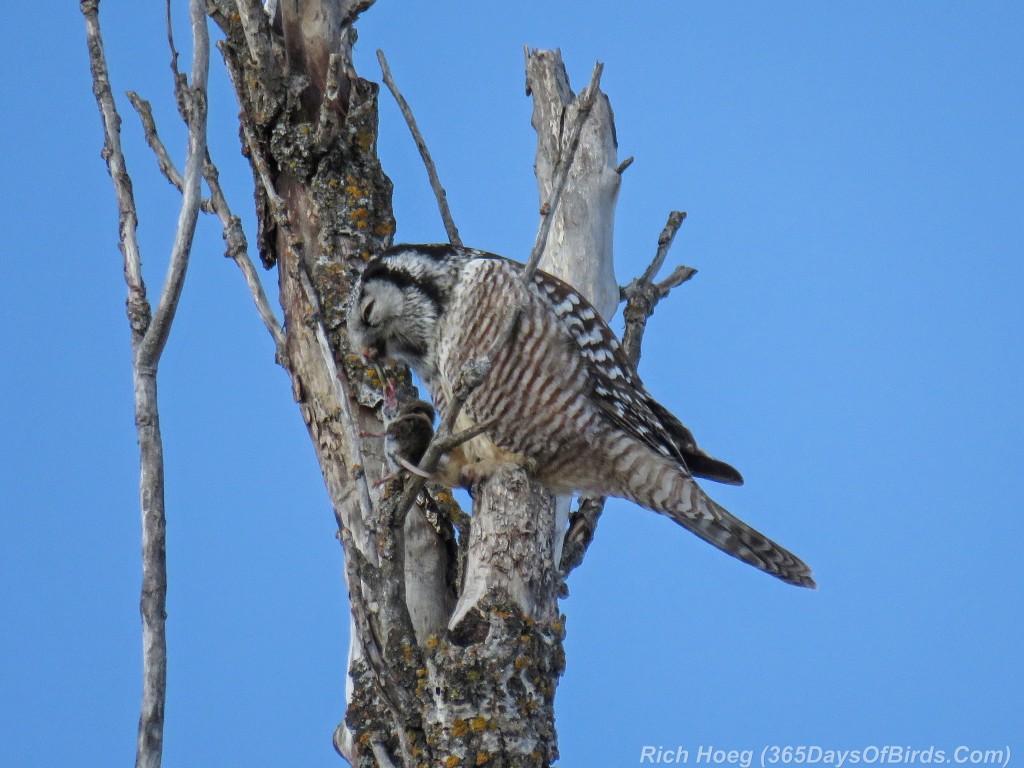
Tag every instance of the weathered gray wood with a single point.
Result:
(579, 248)
(148, 337)
(510, 547)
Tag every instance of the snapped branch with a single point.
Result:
(643, 294)
(421, 145)
(565, 160)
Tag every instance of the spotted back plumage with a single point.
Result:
(563, 398)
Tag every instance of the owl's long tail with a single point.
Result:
(674, 493)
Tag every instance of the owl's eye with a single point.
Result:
(367, 309)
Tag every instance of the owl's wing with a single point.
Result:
(617, 388)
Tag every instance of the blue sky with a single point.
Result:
(854, 178)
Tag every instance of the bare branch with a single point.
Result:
(163, 158)
(234, 236)
(237, 250)
(138, 307)
(180, 81)
(467, 434)
(156, 335)
(421, 145)
(679, 276)
(668, 234)
(643, 294)
(152, 603)
(149, 334)
(624, 165)
(580, 535)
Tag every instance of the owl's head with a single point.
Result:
(398, 301)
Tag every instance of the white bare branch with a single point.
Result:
(156, 335)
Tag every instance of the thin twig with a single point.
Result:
(421, 145)
(466, 435)
(156, 335)
(163, 158)
(550, 206)
(232, 232)
(668, 234)
(678, 276)
(114, 156)
(180, 81)
(643, 294)
(237, 251)
(231, 225)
